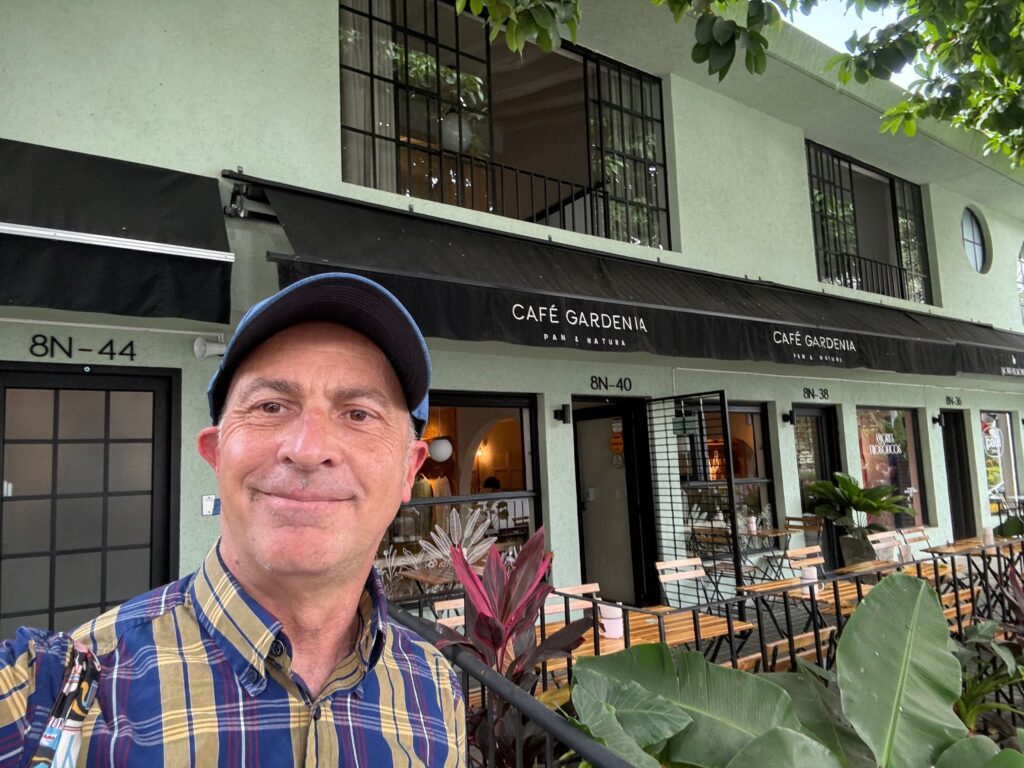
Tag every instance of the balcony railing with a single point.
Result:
(865, 274)
(484, 185)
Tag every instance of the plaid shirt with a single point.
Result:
(197, 674)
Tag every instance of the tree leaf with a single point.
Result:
(729, 708)
(1008, 758)
(972, 752)
(476, 7)
(600, 719)
(782, 746)
(646, 716)
(897, 676)
(820, 712)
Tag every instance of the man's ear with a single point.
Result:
(417, 455)
(208, 444)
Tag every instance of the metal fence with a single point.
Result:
(767, 631)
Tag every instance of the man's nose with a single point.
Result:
(310, 441)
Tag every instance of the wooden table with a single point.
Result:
(868, 566)
(968, 546)
(679, 627)
(431, 577)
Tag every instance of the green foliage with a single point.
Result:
(891, 705)
(845, 503)
(989, 664)
(969, 56)
(542, 22)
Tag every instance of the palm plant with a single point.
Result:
(848, 505)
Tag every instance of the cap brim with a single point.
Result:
(346, 299)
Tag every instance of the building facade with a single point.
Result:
(652, 300)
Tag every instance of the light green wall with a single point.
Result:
(743, 201)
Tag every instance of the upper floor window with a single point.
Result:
(974, 240)
(567, 139)
(868, 227)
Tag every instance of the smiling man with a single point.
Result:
(278, 650)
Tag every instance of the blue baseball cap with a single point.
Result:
(345, 299)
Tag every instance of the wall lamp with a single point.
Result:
(787, 417)
(564, 414)
(204, 349)
(440, 449)
(940, 420)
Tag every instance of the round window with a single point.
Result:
(974, 240)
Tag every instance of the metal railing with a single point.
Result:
(529, 715)
(873, 276)
(762, 632)
(484, 185)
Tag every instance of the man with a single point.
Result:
(278, 650)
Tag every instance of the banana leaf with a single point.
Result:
(897, 677)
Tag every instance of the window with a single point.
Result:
(890, 455)
(480, 467)
(1000, 463)
(868, 227)
(751, 468)
(431, 110)
(974, 241)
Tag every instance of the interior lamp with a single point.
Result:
(440, 449)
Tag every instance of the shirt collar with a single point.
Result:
(244, 631)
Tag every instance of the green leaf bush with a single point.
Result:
(891, 704)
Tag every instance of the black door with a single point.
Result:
(958, 474)
(817, 458)
(613, 490)
(86, 514)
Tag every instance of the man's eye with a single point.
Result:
(358, 415)
(271, 408)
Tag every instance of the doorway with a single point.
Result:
(86, 515)
(958, 474)
(816, 436)
(613, 498)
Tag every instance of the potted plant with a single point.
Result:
(853, 511)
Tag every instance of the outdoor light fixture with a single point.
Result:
(564, 414)
(940, 420)
(204, 349)
(787, 417)
(440, 449)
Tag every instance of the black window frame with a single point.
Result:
(627, 196)
(835, 229)
(975, 243)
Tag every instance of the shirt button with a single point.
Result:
(316, 712)
(276, 648)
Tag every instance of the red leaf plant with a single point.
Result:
(501, 611)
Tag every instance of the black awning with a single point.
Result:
(471, 284)
(92, 234)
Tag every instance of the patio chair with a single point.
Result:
(714, 548)
(673, 571)
(808, 525)
(931, 571)
(451, 613)
(884, 542)
(560, 605)
(803, 557)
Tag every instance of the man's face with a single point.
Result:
(313, 455)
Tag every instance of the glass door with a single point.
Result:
(84, 515)
(817, 457)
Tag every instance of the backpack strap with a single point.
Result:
(62, 737)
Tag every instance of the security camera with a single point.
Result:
(203, 348)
